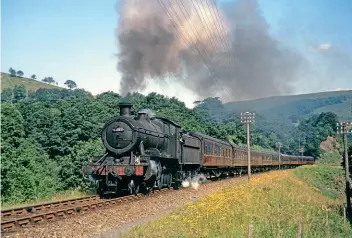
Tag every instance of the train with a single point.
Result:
(148, 152)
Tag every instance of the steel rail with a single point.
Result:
(23, 216)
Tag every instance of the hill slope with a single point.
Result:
(295, 107)
(31, 85)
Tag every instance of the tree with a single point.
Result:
(12, 72)
(48, 80)
(19, 92)
(12, 126)
(6, 95)
(51, 80)
(33, 76)
(71, 84)
(20, 73)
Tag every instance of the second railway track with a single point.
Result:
(12, 219)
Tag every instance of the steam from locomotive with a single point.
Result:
(187, 39)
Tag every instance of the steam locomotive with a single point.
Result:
(146, 153)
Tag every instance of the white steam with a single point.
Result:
(194, 182)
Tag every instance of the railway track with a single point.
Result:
(16, 218)
(12, 219)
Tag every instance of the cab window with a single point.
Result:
(172, 130)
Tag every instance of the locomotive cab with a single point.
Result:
(172, 129)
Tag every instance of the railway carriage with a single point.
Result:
(154, 152)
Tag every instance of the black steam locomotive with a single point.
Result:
(145, 153)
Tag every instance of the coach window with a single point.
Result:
(217, 150)
(207, 148)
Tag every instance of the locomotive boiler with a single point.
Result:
(140, 153)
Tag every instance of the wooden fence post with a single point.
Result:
(327, 226)
(250, 231)
(299, 233)
(344, 216)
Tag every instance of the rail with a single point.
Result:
(33, 214)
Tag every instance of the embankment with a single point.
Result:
(273, 203)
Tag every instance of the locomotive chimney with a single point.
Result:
(143, 115)
(125, 109)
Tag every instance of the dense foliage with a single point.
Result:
(47, 135)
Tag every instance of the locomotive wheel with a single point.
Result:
(135, 189)
(169, 180)
(147, 188)
(160, 181)
(177, 183)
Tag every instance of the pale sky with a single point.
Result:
(74, 39)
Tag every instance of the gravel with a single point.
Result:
(117, 219)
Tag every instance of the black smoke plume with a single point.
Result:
(215, 51)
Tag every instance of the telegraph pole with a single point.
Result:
(344, 128)
(248, 118)
(278, 145)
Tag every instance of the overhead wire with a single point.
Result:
(205, 24)
(230, 49)
(209, 36)
(221, 33)
(184, 38)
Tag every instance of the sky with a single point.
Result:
(75, 39)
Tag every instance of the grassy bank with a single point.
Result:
(31, 85)
(273, 203)
(65, 195)
(329, 180)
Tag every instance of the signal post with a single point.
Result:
(248, 118)
(344, 128)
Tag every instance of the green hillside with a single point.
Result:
(31, 85)
(343, 110)
(297, 106)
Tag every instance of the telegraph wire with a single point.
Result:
(231, 49)
(227, 49)
(184, 38)
(195, 29)
(224, 41)
(204, 21)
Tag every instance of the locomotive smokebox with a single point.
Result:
(125, 109)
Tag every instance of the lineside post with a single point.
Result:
(248, 118)
(344, 128)
(278, 146)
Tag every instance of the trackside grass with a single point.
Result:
(273, 202)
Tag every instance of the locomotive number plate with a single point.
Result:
(118, 129)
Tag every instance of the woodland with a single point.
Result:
(47, 135)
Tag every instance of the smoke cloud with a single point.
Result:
(227, 52)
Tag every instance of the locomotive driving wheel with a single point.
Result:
(169, 180)
(160, 181)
